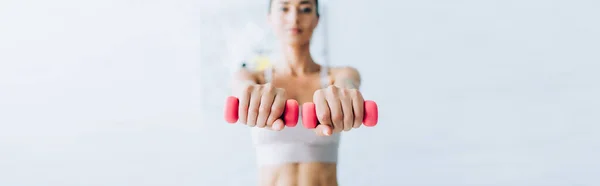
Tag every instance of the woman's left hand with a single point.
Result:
(338, 109)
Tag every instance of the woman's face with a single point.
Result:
(293, 21)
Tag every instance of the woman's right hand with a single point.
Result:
(262, 106)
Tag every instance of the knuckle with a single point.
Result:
(345, 92)
(323, 116)
(253, 110)
(256, 90)
(245, 108)
(337, 118)
(318, 93)
(248, 89)
(348, 119)
(347, 99)
(358, 117)
(280, 91)
(276, 108)
(268, 87)
(331, 88)
(256, 87)
(263, 109)
(357, 123)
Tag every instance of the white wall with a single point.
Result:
(473, 92)
(127, 93)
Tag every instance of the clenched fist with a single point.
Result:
(262, 105)
(338, 109)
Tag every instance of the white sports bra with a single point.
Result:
(295, 144)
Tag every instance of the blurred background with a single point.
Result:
(130, 92)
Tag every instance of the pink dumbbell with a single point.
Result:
(289, 116)
(309, 115)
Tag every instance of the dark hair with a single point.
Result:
(316, 6)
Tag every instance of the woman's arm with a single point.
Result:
(347, 77)
(260, 105)
(336, 105)
(241, 80)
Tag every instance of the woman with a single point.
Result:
(296, 155)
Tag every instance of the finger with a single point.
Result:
(335, 107)
(244, 102)
(253, 108)
(323, 130)
(278, 125)
(264, 109)
(321, 108)
(277, 108)
(358, 105)
(348, 112)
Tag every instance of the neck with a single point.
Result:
(298, 60)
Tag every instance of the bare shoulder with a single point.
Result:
(347, 71)
(247, 74)
(345, 74)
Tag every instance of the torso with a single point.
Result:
(300, 88)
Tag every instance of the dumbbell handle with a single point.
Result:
(289, 116)
(309, 115)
